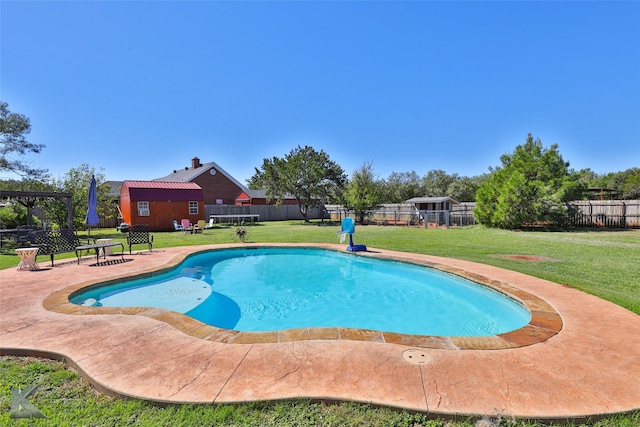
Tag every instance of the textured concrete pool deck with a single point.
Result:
(578, 358)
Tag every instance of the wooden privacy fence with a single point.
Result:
(265, 212)
(108, 222)
(606, 213)
(586, 213)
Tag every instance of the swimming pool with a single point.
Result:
(270, 289)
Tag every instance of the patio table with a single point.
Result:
(237, 217)
(99, 248)
(27, 258)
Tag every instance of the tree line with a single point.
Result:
(532, 185)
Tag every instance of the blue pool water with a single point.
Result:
(268, 289)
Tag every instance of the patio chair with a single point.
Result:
(176, 226)
(200, 226)
(209, 224)
(186, 226)
(139, 234)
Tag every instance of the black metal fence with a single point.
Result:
(406, 214)
(585, 213)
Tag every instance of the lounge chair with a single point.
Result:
(176, 226)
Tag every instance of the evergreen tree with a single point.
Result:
(531, 187)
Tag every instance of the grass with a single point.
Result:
(68, 400)
(602, 263)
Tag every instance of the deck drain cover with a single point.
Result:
(416, 357)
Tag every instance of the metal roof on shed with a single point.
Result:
(163, 190)
(258, 194)
(172, 185)
(431, 200)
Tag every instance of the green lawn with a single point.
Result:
(603, 263)
(65, 399)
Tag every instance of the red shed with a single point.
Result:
(158, 203)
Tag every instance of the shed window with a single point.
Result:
(193, 208)
(143, 208)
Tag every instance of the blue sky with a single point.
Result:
(139, 88)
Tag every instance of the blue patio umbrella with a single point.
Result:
(92, 212)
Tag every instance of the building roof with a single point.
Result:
(162, 184)
(431, 200)
(259, 194)
(188, 174)
(163, 190)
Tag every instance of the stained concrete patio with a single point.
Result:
(588, 368)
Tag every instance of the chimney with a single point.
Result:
(195, 163)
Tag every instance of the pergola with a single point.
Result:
(29, 199)
(603, 193)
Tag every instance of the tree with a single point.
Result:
(13, 130)
(307, 175)
(401, 186)
(531, 187)
(13, 215)
(463, 189)
(364, 191)
(254, 182)
(23, 214)
(626, 182)
(436, 183)
(76, 182)
(586, 178)
(631, 186)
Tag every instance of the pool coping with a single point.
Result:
(545, 320)
(586, 370)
